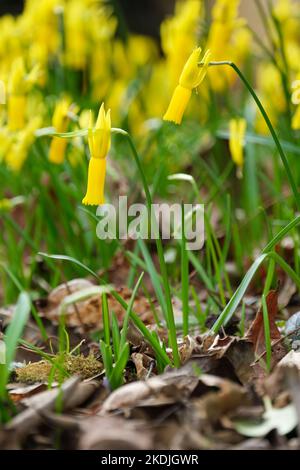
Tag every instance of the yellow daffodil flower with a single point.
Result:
(60, 122)
(191, 76)
(99, 145)
(19, 84)
(18, 152)
(179, 36)
(16, 98)
(224, 23)
(237, 130)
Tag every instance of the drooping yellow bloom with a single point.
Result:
(225, 22)
(16, 98)
(60, 122)
(191, 76)
(179, 36)
(18, 152)
(19, 84)
(237, 130)
(99, 144)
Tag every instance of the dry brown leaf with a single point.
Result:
(18, 392)
(186, 348)
(143, 364)
(256, 333)
(114, 433)
(73, 393)
(168, 388)
(217, 403)
(220, 346)
(88, 312)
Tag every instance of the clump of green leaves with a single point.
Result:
(115, 356)
(11, 341)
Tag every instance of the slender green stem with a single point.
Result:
(270, 275)
(163, 266)
(106, 320)
(267, 332)
(269, 124)
(184, 278)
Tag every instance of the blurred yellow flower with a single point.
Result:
(84, 118)
(179, 35)
(19, 84)
(16, 112)
(18, 152)
(296, 119)
(296, 92)
(99, 144)
(60, 121)
(271, 93)
(225, 22)
(191, 77)
(237, 130)
(16, 98)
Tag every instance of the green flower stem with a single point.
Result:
(163, 267)
(269, 124)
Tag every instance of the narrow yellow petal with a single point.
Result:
(95, 185)
(190, 70)
(203, 68)
(100, 123)
(178, 104)
(99, 137)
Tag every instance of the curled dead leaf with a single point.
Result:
(86, 312)
(168, 388)
(114, 433)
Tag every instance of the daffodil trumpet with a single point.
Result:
(99, 140)
(191, 77)
(96, 179)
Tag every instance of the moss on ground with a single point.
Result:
(40, 371)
